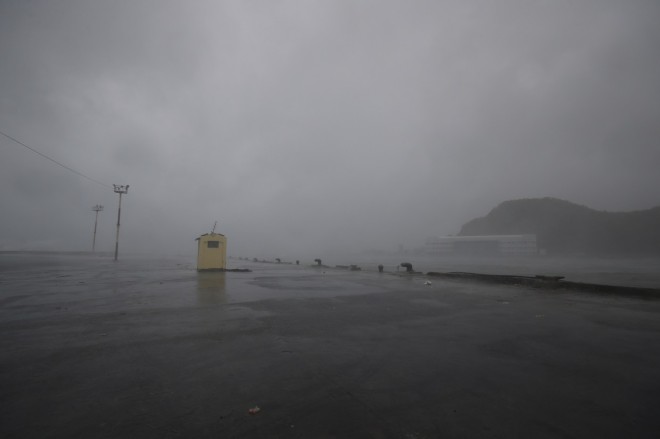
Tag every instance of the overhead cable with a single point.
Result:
(53, 160)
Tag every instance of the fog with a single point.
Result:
(312, 127)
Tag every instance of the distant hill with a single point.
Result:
(563, 227)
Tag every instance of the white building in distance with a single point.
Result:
(487, 245)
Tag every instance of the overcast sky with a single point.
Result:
(305, 127)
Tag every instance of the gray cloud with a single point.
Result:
(303, 126)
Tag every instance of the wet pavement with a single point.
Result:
(151, 348)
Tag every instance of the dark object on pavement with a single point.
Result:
(551, 282)
(226, 270)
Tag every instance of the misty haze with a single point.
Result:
(338, 219)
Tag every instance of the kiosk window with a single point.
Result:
(213, 244)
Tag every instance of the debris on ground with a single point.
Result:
(254, 410)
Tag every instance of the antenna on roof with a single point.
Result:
(213, 231)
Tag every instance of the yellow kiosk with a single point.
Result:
(211, 252)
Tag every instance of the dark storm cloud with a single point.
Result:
(309, 125)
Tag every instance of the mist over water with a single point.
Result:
(638, 272)
(641, 272)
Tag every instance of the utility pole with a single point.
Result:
(119, 189)
(98, 208)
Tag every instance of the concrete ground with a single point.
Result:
(144, 348)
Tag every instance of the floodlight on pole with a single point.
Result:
(119, 189)
(98, 208)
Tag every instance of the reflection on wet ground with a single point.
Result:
(211, 288)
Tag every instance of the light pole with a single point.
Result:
(98, 208)
(119, 189)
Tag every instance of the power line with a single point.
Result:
(53, 160)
